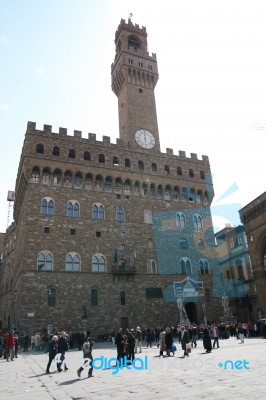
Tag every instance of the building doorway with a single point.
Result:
(191, 310)
(124, 323)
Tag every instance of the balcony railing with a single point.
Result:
(123, 269)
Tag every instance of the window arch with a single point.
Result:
(147, 217)
(119, 214)
(176, 193)
(202, 174)
(98, 211)
(51, 297)
(197, 221)
(144, 189)
(73, 209)
(46, 175)
(115, 161)
(184, 195)
(167, 192)
(78, 180)
(141, 165)
(127, 163)
(151, 266)
(68, 178)
(108, 184)
(57, 177)
(71, 153)
(47, 206)
(154, 167)
(45, 261)
(179, 171)
(159, 192)
(98, 263)
(183, 243)
(191, 173)
(204, 267)
(152, 190)
(87, 155)
(122, 298)
(94, 297)
(134, 42)
(166, 169)
(56, 151)
(35, 175)
(185, 265)
(199, 197)
(39, 148)
(101, 158)
(88, 182)
(72, 262)
(180, 220)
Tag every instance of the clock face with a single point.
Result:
(145, 139)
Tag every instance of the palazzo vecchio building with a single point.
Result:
(102, 231)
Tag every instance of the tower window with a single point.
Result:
(140, 90)
(87, 156)
(73, 232)
(133, 42)
(46, 229)
(130, 61)
(40, 148)
(98, 234)
(150, 67)
(71, 153)
(140, 64)
(56, 151)
(191, 173)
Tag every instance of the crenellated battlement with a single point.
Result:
(130, 27)
(106, 141)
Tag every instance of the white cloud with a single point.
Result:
(4, 106)
(3, 39)
(40, 71)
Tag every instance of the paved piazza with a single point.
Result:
(196, 377)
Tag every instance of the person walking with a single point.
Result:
(53, 350)
(10, 346)
(62, 349)
(88, 358)
(185, 340)
(131, 345)
(162, 342)
(215, 335)
(168, 341)
(207, 343)
(138, 338)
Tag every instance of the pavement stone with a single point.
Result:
(197, 376)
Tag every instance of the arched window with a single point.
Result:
(78, 180)
(115, 161)
(147, 217)
(108, 184)
(88, 182)
(199, 197)
(72, 262)
(71, 153)
(101, 158)
(98, 211)
(191, 173)
(159, 193)
(144, 189)
(87, 156)
(45, 261)
(39, 148)
(151, 267)
(166, 169)
(152, 190)
(133, 42)
(35, 175)
(197, 221)
(176, 193)
(56, 151)
(202, 174)
(73, 209)
(51, 297)
(167, 192)
(57, 177)
(204, 267)
(183, 243)
(154, 167)
(184, 195)
(47, 206)
(127, 163)
(120, 214)
(185, 265)
(179, 171)
(150, 243)
(46, 174)
(98, 263)
(141, 165)
(180, 220)
(68, 178)
(94, 297)
(122, 298)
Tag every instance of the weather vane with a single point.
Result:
(130, 14)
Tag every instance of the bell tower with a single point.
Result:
(134, 77)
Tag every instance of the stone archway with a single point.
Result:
(191, 310)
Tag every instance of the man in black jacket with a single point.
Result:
(53, 350)
(62, 348)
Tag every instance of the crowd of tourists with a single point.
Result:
(128, 342)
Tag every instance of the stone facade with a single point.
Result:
(253, 216)
(108, 226)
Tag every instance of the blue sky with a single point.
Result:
(211, 96)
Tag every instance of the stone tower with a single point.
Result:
(134, 77)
